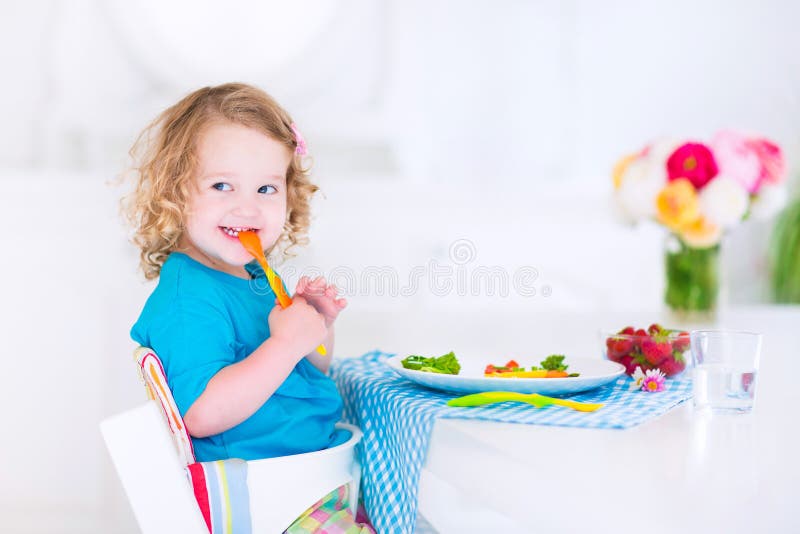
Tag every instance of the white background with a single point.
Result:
(438, 128)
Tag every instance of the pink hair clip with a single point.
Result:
(301, 149)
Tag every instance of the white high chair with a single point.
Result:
(151, 458)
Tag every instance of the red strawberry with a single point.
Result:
(623, 346)
(640, 361)
(628, 331)
(671, 367)
(640, 335)
(665, 348)
(656, 351)
(654, 329)
(618, 347)
(612, 353)
(629, 363)
(681, 343)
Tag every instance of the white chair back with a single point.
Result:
(151, 472)
(150, 448)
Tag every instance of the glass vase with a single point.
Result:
(693, 281)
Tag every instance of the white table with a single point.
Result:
(684, 472)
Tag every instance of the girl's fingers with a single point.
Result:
(302, 284)
(316, 291)
(321, 295)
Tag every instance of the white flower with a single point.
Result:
(769, 201)
(641, 181)
(723, 202)
(636, 195)
(654, 373)
(638, 377)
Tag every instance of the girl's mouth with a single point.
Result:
(233, 231)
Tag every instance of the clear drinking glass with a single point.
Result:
(725, 369)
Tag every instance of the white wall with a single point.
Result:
(488, 125)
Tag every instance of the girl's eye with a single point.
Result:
(221, 186)
(267, 189)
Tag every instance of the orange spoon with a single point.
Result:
(252, 244)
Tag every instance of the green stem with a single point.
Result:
(692, 278)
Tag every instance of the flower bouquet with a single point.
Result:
(698, 191)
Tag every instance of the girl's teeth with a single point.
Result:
(234, 232)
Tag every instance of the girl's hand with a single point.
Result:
(322, 297)
(300, 328)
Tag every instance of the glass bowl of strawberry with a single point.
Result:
(655, 348)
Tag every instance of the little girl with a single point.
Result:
(243, 371)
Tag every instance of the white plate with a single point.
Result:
(594, 373)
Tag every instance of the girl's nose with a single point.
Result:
(245, 206)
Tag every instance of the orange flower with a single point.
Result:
(677, 204)
(620, 167)
(700, 233)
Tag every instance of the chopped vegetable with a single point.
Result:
(510, 366)
(551, 367)
(554, 362)
(446, 364)
(519, 374)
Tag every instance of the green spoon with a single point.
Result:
(540, 401)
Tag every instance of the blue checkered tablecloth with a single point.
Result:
(397, 417)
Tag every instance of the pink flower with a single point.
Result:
(693, 161)
(653, 381)
(738, 159)
(773, 167)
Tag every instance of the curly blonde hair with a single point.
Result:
(165, 162)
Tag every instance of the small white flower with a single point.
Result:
(654, 373)
(638, 377)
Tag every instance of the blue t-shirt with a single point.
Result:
(199, 320)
